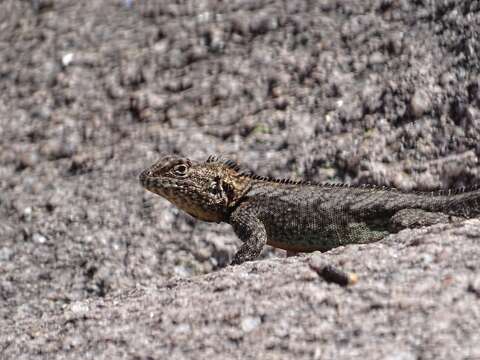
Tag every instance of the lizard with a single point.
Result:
(298, 216)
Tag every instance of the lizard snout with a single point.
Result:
(144, 176)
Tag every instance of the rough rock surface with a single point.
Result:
(92, 266)
(418, 297)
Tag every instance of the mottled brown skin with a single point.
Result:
(297, 216)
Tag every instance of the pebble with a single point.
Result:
(6, 254)
(249, 323)
(79, 307)
(376, 58)
(420, 103)
(27, 214)
(39, 238)
(67, 59)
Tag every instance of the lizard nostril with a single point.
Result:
(143, 176)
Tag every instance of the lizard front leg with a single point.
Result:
(251, 231)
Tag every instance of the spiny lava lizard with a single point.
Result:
(298, 216)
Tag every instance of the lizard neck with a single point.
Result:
(235, 187)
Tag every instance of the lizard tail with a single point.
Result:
(465, 203)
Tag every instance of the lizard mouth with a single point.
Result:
(152, 183)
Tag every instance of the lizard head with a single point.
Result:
(206, 190)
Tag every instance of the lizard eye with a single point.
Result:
(180, 170)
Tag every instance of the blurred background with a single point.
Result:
(92, 92)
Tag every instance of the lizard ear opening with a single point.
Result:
(222, 189)
(215, 187)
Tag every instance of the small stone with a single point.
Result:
(182, 329)
(67, 59)
(182, 271)
(240, 25)
(262, 23)
(317, 261)
(174, 85)
(420, 103)
(372, 98)
(473, 114)
(6, 254)
(427, 259)
(27, 214)
(281, 103)
(401, 355)
(58, 149)
(249, 323)
(376, 58)
(80, 163)
(39, 238)
(447, 79)
(215, 39)
(79, 308)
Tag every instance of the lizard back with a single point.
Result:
(309, 217)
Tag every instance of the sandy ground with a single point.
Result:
(92, 266)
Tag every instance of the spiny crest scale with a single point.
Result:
(227, 162)
(248, 173)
